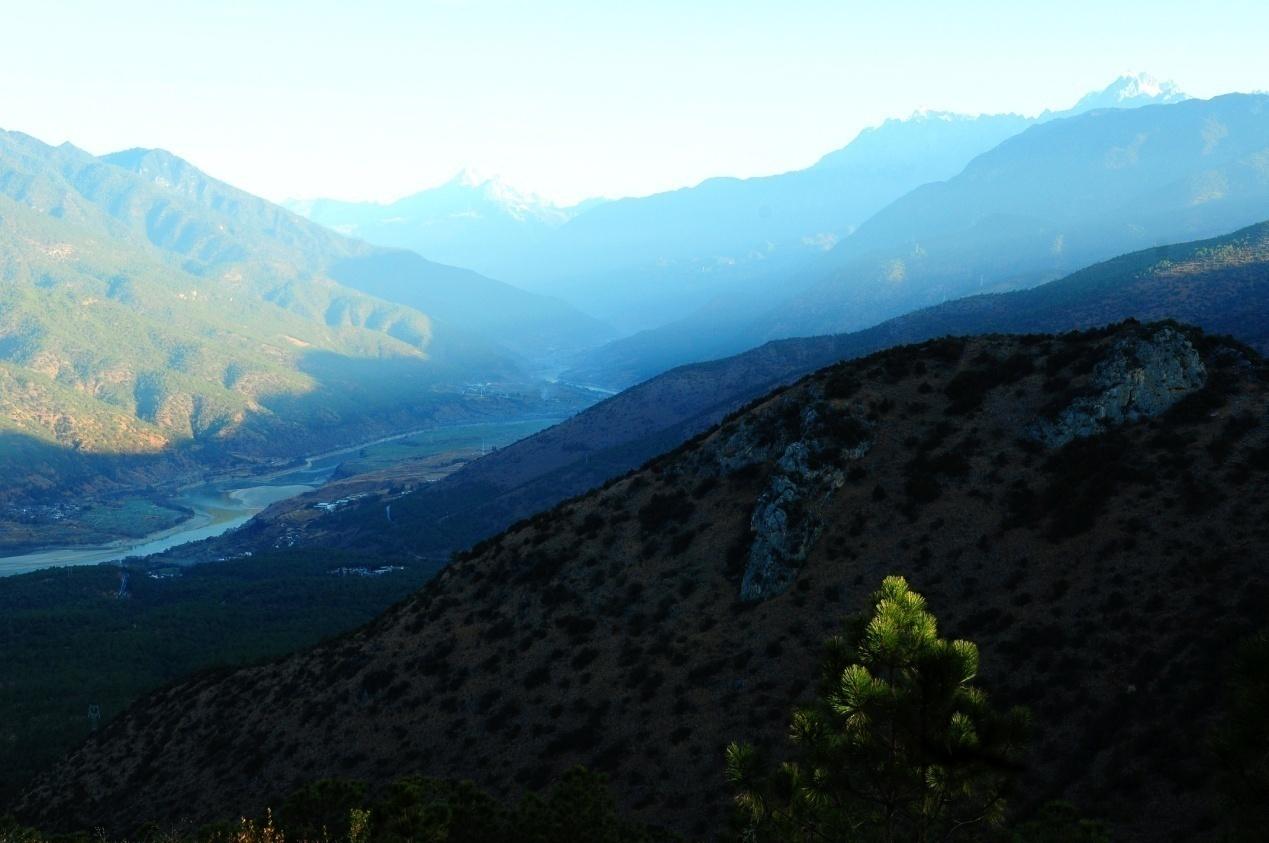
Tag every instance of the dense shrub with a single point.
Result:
(841, 383)
(1241, 742)
(322, 809)
(665, 508)
(967, 390)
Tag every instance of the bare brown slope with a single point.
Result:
(1105, 582)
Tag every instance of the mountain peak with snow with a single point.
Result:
(472, 185)
(478, 179)
(1131, 90)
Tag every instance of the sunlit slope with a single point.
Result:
(199, 212)
(152, 308)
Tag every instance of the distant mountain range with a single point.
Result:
(472, 221)
(642, 262)
(1048, 201)
(1054, 198)
(150, 310)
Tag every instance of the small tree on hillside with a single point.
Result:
(900, 745)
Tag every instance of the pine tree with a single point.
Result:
(899, 746)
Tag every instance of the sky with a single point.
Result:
(569, 98)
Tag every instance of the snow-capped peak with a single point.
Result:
(493, 188)
(473, 177)
(929, 114)
(472, 185)
(1139, 84)
(1131, 90)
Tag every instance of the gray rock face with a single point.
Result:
(1140, 378)
(784, 531)
(785, 524)
(808, 448)
(795, 460)
(736, 448)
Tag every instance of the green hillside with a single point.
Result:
(148, 309)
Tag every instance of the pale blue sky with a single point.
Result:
(569, 97)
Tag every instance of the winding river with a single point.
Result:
(223, 504)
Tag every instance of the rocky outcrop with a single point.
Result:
(1140, 378)
(785, 523)
(784, 529)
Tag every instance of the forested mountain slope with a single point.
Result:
(153, 314)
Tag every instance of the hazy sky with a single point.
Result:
(569, 98)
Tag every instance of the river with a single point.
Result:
(223, 504)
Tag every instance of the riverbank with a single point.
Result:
(213, 514)
(28, 528)
(227, 501)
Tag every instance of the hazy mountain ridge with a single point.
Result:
(644, 261)
(1220, 284)
(470, 221)
(679, 248)
(493, 670)
(543, 331)
(1056, 197)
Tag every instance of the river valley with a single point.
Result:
(222, 504)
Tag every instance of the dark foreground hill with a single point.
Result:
(1090, 508)
(1221, 285)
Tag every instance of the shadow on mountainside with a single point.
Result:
(353, 400)
(1220, 285)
